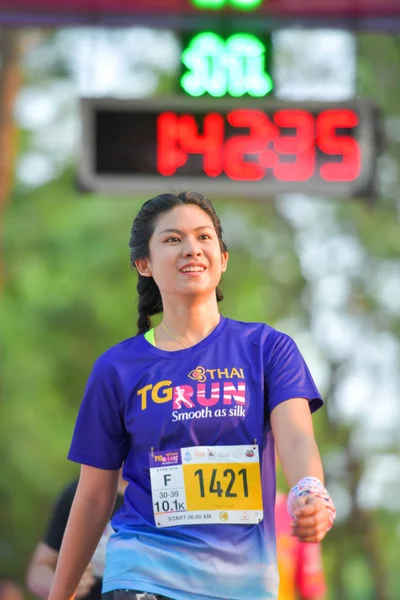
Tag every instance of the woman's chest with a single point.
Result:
(212, 399)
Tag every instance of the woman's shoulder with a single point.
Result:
(256, 328)
(119, 354)
(259, 334)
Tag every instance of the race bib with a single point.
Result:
(206, 484)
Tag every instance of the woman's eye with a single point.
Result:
(172, 239)
(205, 236)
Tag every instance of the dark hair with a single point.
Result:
(150, 302)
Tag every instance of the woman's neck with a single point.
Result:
(186, 325)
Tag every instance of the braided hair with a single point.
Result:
(150, 302)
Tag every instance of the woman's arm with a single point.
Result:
(293, 431)
(91, 509)
(298, 452)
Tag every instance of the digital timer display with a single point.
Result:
(250, 145)
(275, 147)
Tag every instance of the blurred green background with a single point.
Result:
(326, 271)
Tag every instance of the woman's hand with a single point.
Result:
(311, 519)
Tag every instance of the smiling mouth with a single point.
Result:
(193, 269)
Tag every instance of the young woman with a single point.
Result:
(193, 409)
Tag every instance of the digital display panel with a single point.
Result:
(267, 147)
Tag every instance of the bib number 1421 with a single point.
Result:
(223, 488)
(233, 486)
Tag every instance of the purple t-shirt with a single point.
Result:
(219, 392)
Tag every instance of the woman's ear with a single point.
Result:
(224, 261)
(143, 266)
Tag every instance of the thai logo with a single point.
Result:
(188, 456)
(211, 453)
(249, 453)
(223, 515)
(198, 374)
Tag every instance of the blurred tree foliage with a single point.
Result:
(69, 294)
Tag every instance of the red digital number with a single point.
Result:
(262, 131)
(178, 136)
(169, 156)
(342, 145)
(210, 143)
(301, 145)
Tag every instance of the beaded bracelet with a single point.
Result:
(311, 486)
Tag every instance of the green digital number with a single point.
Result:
(220, 67)
(218, 4)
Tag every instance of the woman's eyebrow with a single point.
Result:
(181, 232)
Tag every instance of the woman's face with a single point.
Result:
(185, 254)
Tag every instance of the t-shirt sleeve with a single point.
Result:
(100, 438)
(55, 530)
(287, 375)
(310, 578)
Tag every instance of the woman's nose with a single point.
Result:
(191, 248)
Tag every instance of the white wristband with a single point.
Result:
(311, 486)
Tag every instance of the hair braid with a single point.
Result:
(149, 304)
